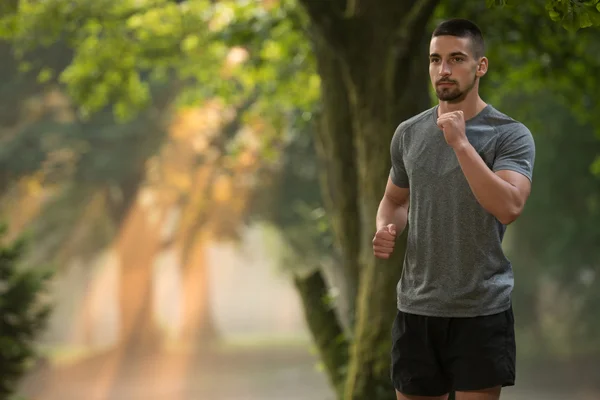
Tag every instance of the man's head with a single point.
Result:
(456, 59)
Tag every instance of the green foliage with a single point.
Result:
(595, 168)
(23, 314)
(74, 160)
(121, 47)
(116, 44)
(572, 15)
(280, 63)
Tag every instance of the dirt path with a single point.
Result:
(277, 374)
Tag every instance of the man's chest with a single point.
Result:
(429, 159)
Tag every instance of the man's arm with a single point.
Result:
(392, 216)
(392, 213)
(393, 208)
(503, 193)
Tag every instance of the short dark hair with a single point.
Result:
(462, 28)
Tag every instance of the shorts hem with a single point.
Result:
(451, 314)
(413, 392)
(470, 388)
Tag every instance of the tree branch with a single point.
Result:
(327, 332)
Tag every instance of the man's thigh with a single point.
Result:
(416, 371)
(486, 394)
(400, 396)
(481, 355)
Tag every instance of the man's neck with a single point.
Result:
(469, 107)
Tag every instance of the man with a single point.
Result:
(465, 169)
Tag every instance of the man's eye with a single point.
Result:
(459, 59)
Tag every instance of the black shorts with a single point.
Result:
(432, 356)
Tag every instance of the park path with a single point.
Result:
(249, 374)
(232, 374)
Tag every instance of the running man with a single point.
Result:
(461, 172)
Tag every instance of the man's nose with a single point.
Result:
(445, 69)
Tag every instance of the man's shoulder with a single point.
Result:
(416, 120)
(505, 124)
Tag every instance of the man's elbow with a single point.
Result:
(509, 215)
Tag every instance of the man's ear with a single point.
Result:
(482, 66)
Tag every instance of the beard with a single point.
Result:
(453, 94)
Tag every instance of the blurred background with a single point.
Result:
(188, 189)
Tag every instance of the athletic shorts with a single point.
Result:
(432, 356)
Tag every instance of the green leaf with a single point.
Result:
(25, 67)
(190, 43)
(584, 20)
(595, 167)
(45, 75)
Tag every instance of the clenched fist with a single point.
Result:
(384, 241)
(453, 125)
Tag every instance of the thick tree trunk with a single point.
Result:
(335, 149)
(137, 246)
(199, 326)
(380, 106)
(376, 304)
(381, 53)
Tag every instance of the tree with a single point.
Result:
(24, 313)
(370, 62)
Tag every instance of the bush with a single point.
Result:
(23, 313)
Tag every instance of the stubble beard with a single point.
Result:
(454, 95)
(449, 94)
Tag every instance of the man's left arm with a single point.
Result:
(502, 193)
(504, 189)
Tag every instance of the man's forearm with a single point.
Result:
(495, 195)
(390, 212)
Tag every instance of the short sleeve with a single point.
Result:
(398, 171)
(516, 152)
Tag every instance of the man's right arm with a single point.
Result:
(392, 216)
(393, 208)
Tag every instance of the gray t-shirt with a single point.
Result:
(454, 264)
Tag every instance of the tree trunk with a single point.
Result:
(336, 154)
(381, 53)
(331, 341)
(137, 245)
(199, 325)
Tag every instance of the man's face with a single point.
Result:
(453, 68)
